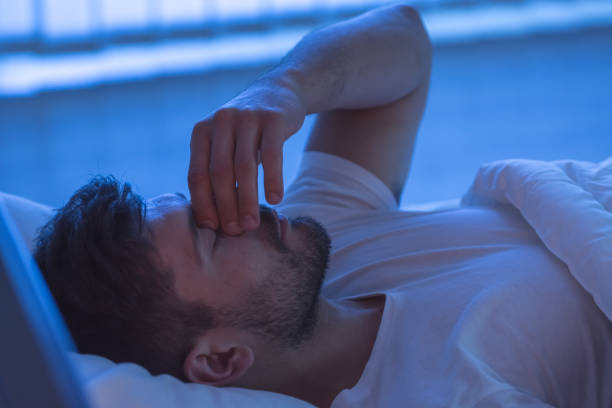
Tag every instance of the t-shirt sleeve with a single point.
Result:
(326, 185)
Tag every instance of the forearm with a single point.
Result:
(370, 60)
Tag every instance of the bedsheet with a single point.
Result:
(569, 205)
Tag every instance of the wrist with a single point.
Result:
(314, 95)
(287, 78)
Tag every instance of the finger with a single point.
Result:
(272, 160)
(222, 172)
(198, 178)
(246, 173)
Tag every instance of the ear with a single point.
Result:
(217, 362)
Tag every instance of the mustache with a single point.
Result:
(267, 215)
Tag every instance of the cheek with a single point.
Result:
(241, 268)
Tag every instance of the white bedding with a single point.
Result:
(569, 205)
(128, 385)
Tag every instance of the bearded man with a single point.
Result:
(334, 295)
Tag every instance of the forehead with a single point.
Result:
(165, 205)
(169, 220)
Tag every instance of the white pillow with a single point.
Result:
(111, 385)
(131, 386)
(28, 216)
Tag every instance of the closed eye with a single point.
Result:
(219, 236)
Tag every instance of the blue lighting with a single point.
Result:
(112, 87)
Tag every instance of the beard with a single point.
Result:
(283, 309)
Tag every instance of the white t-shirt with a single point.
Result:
(478, 313)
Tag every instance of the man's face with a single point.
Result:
(266, 281)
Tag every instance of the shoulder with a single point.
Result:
(331, 186)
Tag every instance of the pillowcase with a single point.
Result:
(111, 385)
(28, 215)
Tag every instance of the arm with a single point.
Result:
(371, 60)
(372, 96)
(368, 77)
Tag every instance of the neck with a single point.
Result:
(331, 361)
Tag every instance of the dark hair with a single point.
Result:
(104, 274)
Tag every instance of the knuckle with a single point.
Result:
(196, 177)
(249, 116)
(269, 153)
(195, 131)
(273, 117)
(245, 194)
(199, 131)
(220, 171)
(244, 165)
(223, 115)
(198, 127)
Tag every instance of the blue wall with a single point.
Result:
(540, 97)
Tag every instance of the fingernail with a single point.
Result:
(232, 228)
(207, 224)
(248, 222)
(210, 224)
(275, 198)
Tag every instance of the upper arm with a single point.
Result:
(380, 139)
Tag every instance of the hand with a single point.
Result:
(226, 148)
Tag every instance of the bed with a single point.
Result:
(568, 204)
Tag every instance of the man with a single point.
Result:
(404, 310)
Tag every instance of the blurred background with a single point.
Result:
(115, 86)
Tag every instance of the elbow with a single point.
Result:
(420, 43)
